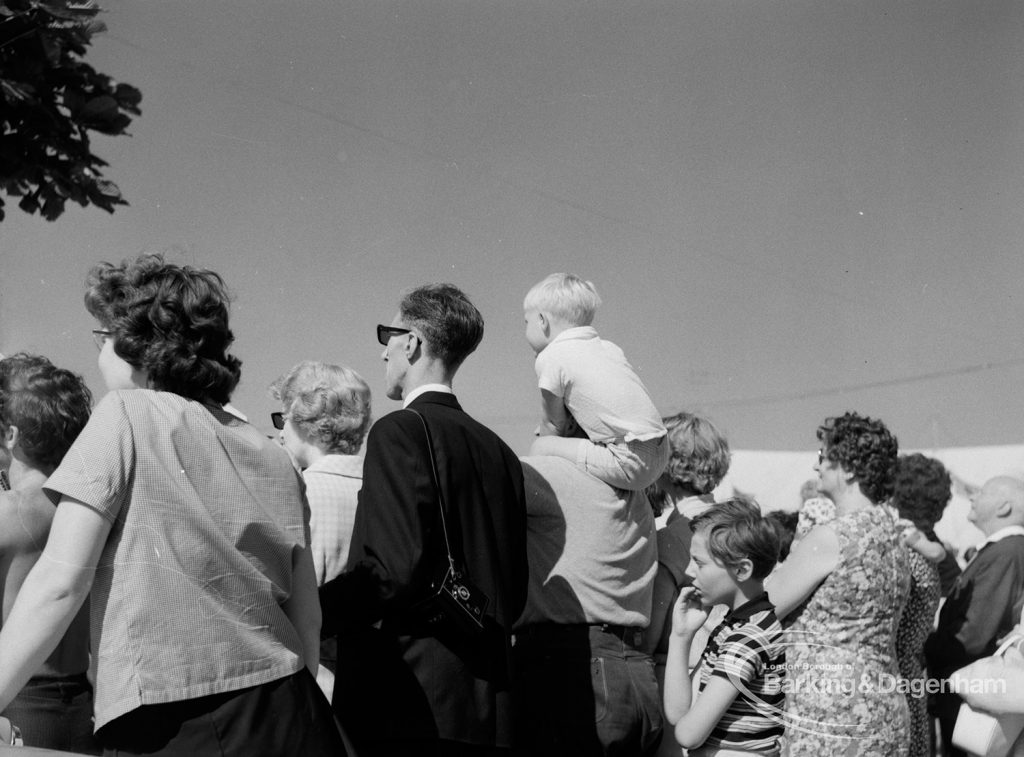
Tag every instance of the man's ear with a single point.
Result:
(414, 348)
(743, 570)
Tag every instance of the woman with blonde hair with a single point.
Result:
(699, 458)
(323, 421)
(698, 461)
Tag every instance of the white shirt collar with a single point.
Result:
(1002, 533)
(443, 388)
(341, 465)
(576, 332)
(693, 506)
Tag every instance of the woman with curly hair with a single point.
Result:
(189, 527)
(42, 409)
(325, 414)
(922, 491)
(841, 592)
(698, 461)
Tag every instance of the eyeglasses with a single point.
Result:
(100, 336)
(822, 457)
(278, 420)
(384, 333)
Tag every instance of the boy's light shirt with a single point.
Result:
(601, 390)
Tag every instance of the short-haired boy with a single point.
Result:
(740, 700)
(588, 386)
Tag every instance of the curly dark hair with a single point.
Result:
(922, 489)
(170, 321)
(735, 529)
(48, 405)
(785, 524)
(865, 448)
(449, 322)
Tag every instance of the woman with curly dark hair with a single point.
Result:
(841, 592)
(921, 494)
(923, 489)
(189, 527)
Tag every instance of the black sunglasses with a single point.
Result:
(384, 333)
(278, 420)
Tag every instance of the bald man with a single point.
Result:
(986, 601)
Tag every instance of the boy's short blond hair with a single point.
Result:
(566, 297)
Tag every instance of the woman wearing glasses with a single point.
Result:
(188, 526)
(840, 594)
(324, 419)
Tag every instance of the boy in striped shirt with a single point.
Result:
(738, 708)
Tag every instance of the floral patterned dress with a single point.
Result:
(843, 695)
(915, 625)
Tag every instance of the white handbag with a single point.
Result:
(980, 733)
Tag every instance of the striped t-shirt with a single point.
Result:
(746, 650)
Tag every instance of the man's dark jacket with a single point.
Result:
(982, 608)
(392, 681)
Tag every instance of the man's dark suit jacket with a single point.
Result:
(984, 605)
(391, 684)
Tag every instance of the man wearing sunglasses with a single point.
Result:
(401, 688)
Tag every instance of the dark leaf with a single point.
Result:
(29, 203)
(53, 206)
(109, 189)
(113, 126)
(52, 48)
(74, 100)
(79, 195)
(99, 108)
(127, 95)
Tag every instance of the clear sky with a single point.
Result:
(791, 209)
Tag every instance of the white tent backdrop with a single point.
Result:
(774, 480)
